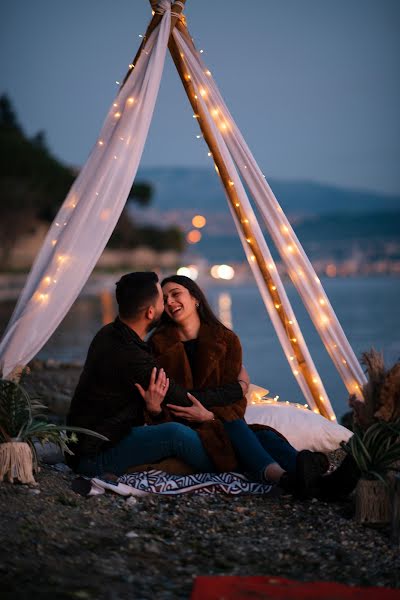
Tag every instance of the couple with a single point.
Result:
(180, 395)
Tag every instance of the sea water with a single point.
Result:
(368, 310)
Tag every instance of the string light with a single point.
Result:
(53, 242)
(231, 183)
(130, 100)
(203, 92)
(290, 249)
(117, 115)
(115, 105)
(277, 306)
(322, 301)
(101, 143)
(208, 73)
(273, 287)
(209, 154)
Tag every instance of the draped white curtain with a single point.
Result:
(235, 150)
(90, 211)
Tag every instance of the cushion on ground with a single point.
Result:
(303, 428)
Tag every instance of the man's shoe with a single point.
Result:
(340, 483)
(309, 468)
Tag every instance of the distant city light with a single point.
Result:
(331, 270)
(222, 272)
(190, 271)
(199, 221)
(193, 236)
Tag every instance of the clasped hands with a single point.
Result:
(156, 392)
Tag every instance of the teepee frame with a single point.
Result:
(253, 241)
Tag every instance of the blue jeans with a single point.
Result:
(149, 444)
(256, 450)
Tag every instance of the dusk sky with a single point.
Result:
(314, 85)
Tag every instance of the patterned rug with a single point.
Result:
(158, 482)
(144, 483)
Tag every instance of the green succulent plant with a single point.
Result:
(376, 450)
(22, 420)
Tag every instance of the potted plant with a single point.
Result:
(376, 452)
(22, 424)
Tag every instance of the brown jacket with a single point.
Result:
(219, 359)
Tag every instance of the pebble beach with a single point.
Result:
(58, 544)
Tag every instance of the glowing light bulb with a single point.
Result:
(209, 154)
(215, 112)
(273, 287)
(237, 204)
(322, 301)
(101, 143)
(117, 115)
(208, 73)
(130, 100)
(277, 306)
(203, 92)
(285, 228)
(231, 183)
(290, 249)
(252, 257)
(270, 266)
(295, 373)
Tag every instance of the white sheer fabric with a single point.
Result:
(90, 211)
(235, 150)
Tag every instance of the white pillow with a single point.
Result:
(304, 429)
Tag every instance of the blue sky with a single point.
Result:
(313, 84)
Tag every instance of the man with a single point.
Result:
(108, 400)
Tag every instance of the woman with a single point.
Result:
(198, 351)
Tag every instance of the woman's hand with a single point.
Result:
(155, 393)
(196, 413)
(244, 380)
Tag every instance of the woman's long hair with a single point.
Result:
(204, 310)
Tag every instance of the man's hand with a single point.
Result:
(155, 393)
(196, 413)
(244, 380)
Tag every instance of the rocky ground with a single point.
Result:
(58, 544)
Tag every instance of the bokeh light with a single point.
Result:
(199, 221)
(193, 236)
(189, 271)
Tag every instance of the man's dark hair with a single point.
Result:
(135, 292)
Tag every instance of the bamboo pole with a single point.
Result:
(242, 219)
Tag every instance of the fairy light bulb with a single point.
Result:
(130, 100)
(101, 143)
(117, 115)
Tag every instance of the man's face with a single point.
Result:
(158, 308)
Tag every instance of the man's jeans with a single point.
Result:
(150, 444)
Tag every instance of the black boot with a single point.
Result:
(340, 483)
(309, 468)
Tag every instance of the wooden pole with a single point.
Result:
(176, 9)
(242, 218)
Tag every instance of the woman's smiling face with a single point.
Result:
(179, 304)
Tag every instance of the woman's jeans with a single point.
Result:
(256, 450)
(150, 444)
